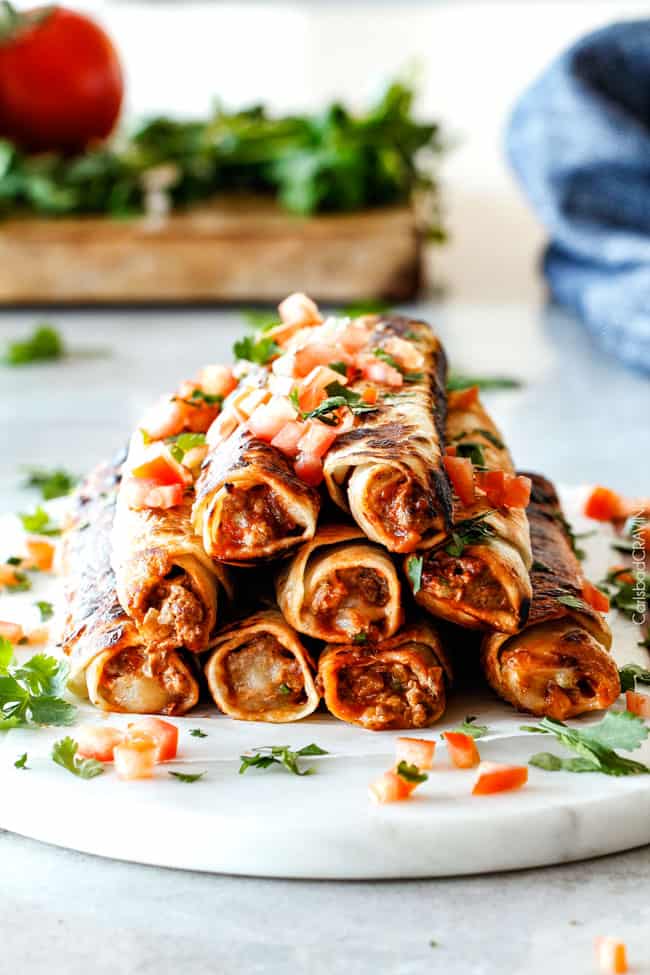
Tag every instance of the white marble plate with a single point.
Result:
(270, 823)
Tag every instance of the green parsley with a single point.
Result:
(198, 397)
(368, 306)
(280, 755)
(470, 531)
(197, 733)
(573, 603)
(472, 450)
(260, 320)
(410, 377)
(339, 367)
(45, 609)
(628, 590)
(182, 443)
(43, 344)
(30, 692)
(337, 396)
(187, 776)
(414, 565)
(22, 762)
(360, 638)
(468, 727)
(630, 674)
(21, 582)
(256, 349)
(38, 522)
(54, 483)
(457, 381)
(284, 689)
(411, 773)
(64, 753)
(595, 744)
(538, 566)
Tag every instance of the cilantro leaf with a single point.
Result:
(630, 674)
(468, 727)
(595, 744)
(573, 602)
(197, 733)
(284, 689)
(553, 763)
(281, 755)
(64, 753)
(45, 609)
(360, 638)
(411, 773)
(339, 367)
(261, 321)
(470, 531)
(22, 762)
(628, 590)
(183, 442)
(369, 306)
(44, 343)
(21, 582)
(54, 483)
(472, 450)
(410, 377)
(187, 776)
(6, 653)
(256, 349)
(457, 381)
(38, 522)
(30, 692)
(414, 565)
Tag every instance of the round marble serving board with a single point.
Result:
(272, 824)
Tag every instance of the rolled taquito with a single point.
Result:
(166, 582)
(478, 575)
(339, 587)
(110, 664)
(399, 683)
(260, 671)
(559, 665)
(250, 505)
(388, 471)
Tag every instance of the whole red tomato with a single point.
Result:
(60, 80)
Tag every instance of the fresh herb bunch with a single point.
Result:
(55, 483)
(594, 745)
(332, 161)
(31, 692)
(628, 590)
(281, 755)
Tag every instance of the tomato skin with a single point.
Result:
(505, 490)
(287, 438)
(391, 787)
(415, 751)
(604, 504)
(596, 599)
(61, 83)
(462, 749)
(98, 741)
(499, 778)
(164, 734)
(309, 469)
(40, 553)
(460, 471)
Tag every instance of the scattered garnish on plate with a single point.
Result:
(281, 755)
(30, 692)
(43, 344)
(45, 609)
(628, 590)
(414, 566)
(612, 956)
(197, 733)
(38, 521)
(187, 776)
(469, 727)
(411, 773)
(594, 745)
(22, 762)
(64, 753)
(630, 674)
(55, 483)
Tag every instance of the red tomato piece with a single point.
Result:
(462, 749)
(299, 310)
(309, 469)
(165, 419)
(516, 489)
(409, 357)
(315, 354)
(381, 372)
(288, 437)
(604, 505)
(97, 741)
(463, 399)
(499, 778)
(637, 703)
(61, 81)
(415, 751)
(269, 418)
(611, 955)
(370, 395)
(390, 787)
(461, 474)
(8, 574)
(164, 734)
(355, 337)
(159, 466)
(135, 757)
(140, 493)
(40, 553)
(11, 631)
(311, 391)
(317, 438)
(216, 380)
(596, 599)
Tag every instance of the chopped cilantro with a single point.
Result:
(360, 638)
(51, 483)
(197, 733)
(470, 531)
(468, 727)
(472, 450)
(595, 744)
(43, 344)
(22, 762)
(280, 755)
(284, 689)
(187, 776)
(38, 521)
(457, 381)
(414, 565)
(339, 367)
(184, 442)
(573, 603)
(632, 673)
(30, 692)
(411, 773)
(64, 753)
(628, 590)
(256, 349)
(45, 609)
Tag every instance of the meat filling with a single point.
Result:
(176, 611)
(352, 601)
(149, 683)
(263, 676)
(255, 517)
(404, 509)
(389, 695)
(465, 580)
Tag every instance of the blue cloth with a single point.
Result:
(579, 141)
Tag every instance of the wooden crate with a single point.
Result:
(227, 250)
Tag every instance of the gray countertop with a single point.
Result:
(579, 417)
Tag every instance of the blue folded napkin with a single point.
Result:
(579, 141)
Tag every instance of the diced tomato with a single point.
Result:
(38, 636)
(135, 757)
(309, 469)
(499, 778)
(288, 437)
(415, 751)
(462, 749)
(505, 490)
(8, 574)
(140, 493)
(381, 372)
(247, 403)
(463, 399)
(311, 390)
(194, 457)
(160, 466)
(451, 450)
(11, 631)
(596, 599)
(40, 553)
(317, 438)
(611, 956)
(97, 741)
(390, 787)
(165, 419)
(604, 505)
(318, 354)
(164, 734)
(637, 703)
(269, 418)
(284, 365)
(216, 380)
(461, 475)
(370, 395)
(280, 385)
(409, 357)
(299, 310)
(354, 337)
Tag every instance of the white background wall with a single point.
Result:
(474, 59)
